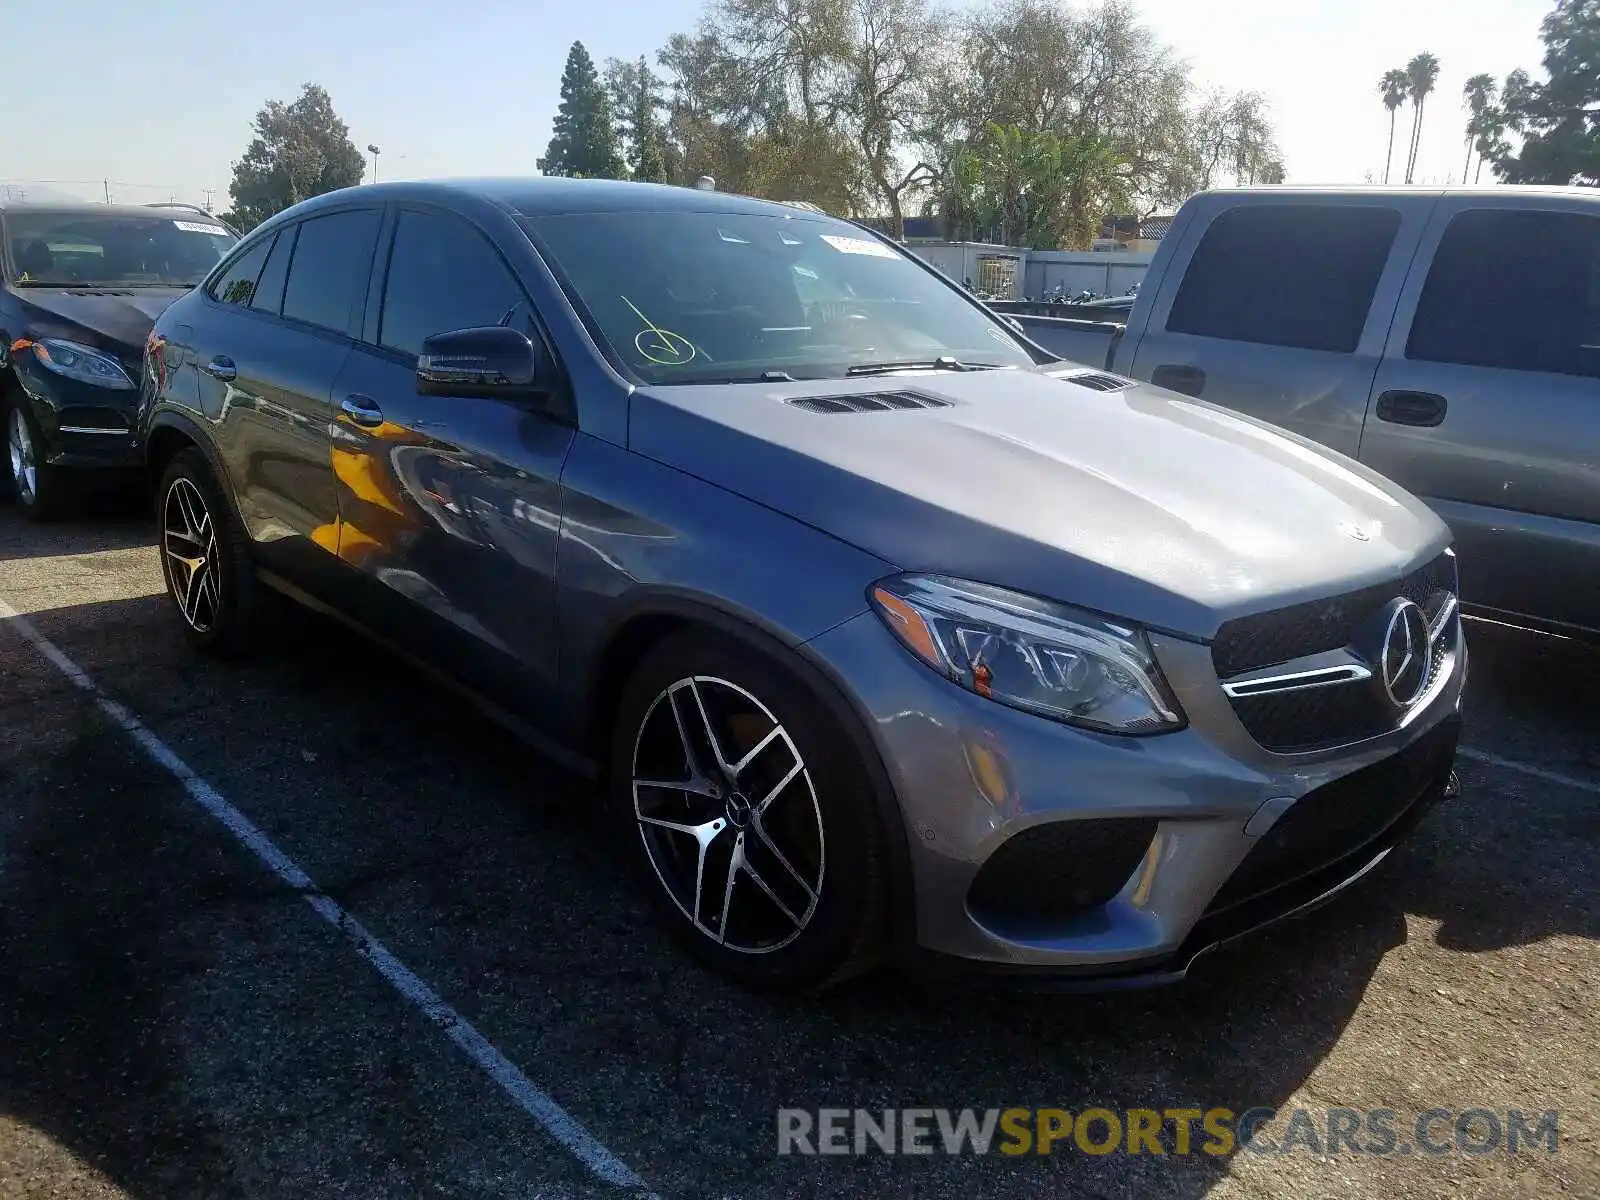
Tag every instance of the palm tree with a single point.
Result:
(1394, 87)
(1422, 72)
(1480, 93)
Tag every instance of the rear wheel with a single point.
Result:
(751, 820)
(205, 559)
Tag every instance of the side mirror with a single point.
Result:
(494, 361)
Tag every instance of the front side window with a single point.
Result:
(329, 271)
(1515, 290)
(1298, 275)
(71, 249)
(237, 283)
(442, 276)
(684, 297)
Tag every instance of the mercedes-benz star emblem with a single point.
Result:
(1403, 663)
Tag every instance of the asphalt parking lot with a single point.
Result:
(177, 1021)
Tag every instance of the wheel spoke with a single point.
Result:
(755, 878)
(190, 602)
(772, 846)
(689, 752)
(711, 734)
(773, 735)
(735, 861)
(694, 787)
(704, 835)
(788, 778)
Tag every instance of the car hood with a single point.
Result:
(116, 319)
(1140, 503)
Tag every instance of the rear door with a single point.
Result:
(1487, 402)
(277, 330)
(450, 506)
(1277, 305)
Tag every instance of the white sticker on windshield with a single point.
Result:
(196, 227)
(850, 245)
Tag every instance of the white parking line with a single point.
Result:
(557, 1122)
(1510, 764)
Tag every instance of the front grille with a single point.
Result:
(1340, 818)
(1247, 643)
(1052, 871)
(1310, 719)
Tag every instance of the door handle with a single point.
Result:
(1179, 377)
(221, 367)
(363, 410)
(1412, 408)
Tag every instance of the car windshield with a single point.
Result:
(74, 249)
(686, 297)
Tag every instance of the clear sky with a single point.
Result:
(158, 96)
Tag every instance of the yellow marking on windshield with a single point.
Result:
(660, 346)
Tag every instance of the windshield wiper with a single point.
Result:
(944, 362)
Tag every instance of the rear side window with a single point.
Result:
(269, 288)
(237, 284)
(328, 273)
(443, 275)
(1514, 290)
(1286, 275)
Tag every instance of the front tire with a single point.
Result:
(749, 817)
(206, 560)
(37, 486)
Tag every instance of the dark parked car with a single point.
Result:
(80, 287)
(887, 632)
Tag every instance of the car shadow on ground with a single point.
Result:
(116, 522)
(419, 816)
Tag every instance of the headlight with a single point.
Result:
(80, 363)
(1029, 653)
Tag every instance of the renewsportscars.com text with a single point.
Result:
(1171, 1131)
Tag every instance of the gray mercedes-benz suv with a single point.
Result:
(888, 633)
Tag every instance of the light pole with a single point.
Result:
(373, 150)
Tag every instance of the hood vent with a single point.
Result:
(867, 402)
(1096, 381)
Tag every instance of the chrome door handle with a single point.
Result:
(363, 410)
(221, 367)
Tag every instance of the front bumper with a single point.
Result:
(84, 427)
(1201, 806)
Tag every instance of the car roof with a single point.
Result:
(544, 196)
(75, 208)
(1379, 191)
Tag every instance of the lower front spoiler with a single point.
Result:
(1210, 933)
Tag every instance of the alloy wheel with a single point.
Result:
(189, 554)
(24, 469)
(729, 815)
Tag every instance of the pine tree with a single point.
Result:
(649, 149)
(584, 144)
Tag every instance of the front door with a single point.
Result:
(450, 507)
(1277, 306)
(1487, 402)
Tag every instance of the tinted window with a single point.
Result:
(1286, 275)
(237, 284)
(681, 296)
(79, 249)
(328, 273)
(1519, 290)
(269, 288)
(443, 275)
